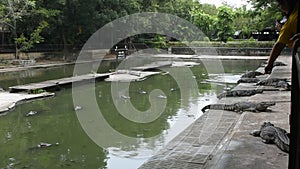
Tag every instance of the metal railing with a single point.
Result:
(294, 153)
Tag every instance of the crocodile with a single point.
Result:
(238, 93)
(241, 106)
(248, 80)
(251, 74)
(276, 82)
(277, 63)
(270, 81)
(272, 134)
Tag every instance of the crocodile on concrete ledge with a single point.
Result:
(238, 93)
(241, 106)
(251, 74)
(248, 80)
(276, 82)
(272, 134)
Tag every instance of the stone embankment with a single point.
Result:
(221, 139)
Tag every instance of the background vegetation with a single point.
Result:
(70, 23)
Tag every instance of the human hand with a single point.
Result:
(268, 68)
(278, 25)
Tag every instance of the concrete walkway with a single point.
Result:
(9, 100)
(221, 139)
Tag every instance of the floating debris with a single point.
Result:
(43, 145)
(124, 97)
(31, 113)
(173, 89)
(165, 73)
(161, 96)
(77, 108)
(140, 91)
(9, 135)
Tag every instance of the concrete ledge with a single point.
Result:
(9, 100)
(221, 139)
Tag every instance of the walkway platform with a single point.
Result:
(153, 66)
(9, 100)
(129, 75)
(221, 139)
(58, 82)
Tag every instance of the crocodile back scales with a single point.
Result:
(279, 136)
(240, 106)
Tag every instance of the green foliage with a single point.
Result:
(203, 21)
(35, 37)
(72, 22)
(36, 91)
(266, 13)
(224, 24)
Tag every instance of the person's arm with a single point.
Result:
(276, 50)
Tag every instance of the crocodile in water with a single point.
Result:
(241, 106)
(238, 93)
(272, 134)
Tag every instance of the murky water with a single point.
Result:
(23, 138)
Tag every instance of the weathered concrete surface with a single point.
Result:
(57, 82)
(221, 139)
(129, 76)
(9, 100)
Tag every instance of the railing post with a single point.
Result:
(294, 154)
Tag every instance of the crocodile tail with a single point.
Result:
(205, 108)
(217, 107)
(282, 145)
(282, 140)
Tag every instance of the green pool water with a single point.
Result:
(56, 121)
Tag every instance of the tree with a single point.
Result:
(266, 13)
(24, 44)
(13, 12)
(203, 21)
(245, 21)
(18, 17)
(224, 24)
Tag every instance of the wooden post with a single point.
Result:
(294, 154)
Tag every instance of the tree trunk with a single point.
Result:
(66, 52)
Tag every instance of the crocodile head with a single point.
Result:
(263, 106)
(259, 90)
(268, 103)
(266, 124)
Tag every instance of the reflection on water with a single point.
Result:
(56, 122)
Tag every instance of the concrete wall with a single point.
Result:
(226, 51)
